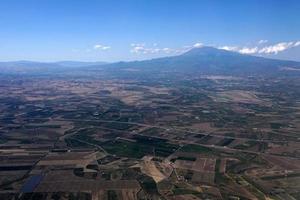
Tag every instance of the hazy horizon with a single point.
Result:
(142, 59)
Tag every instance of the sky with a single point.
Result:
(115, 30)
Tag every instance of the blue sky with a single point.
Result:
(90, 30)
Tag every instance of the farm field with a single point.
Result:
(103, 136)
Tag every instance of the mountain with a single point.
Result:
(213, 61)
(26, 67)
(204, 60)
(70, 63)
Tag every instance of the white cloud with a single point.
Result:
(137, 44)
(263, 49)
(197, 45)
(274, 49)
(247, 50)
(143, 49)
(106, 47)
(97, 46)
(297, 44)
(101, 47)
(229, 48)
(242, 50)
(137, 49)
(262, 41)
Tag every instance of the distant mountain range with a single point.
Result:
(198, 60)
(213, 61)
(39, 67)
(70, 63)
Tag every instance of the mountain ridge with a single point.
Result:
(197, 60)
(211, 60)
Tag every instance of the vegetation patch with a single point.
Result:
(196, 148)
(138, 150)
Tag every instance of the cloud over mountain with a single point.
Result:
(262, 48)
(282, 46)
